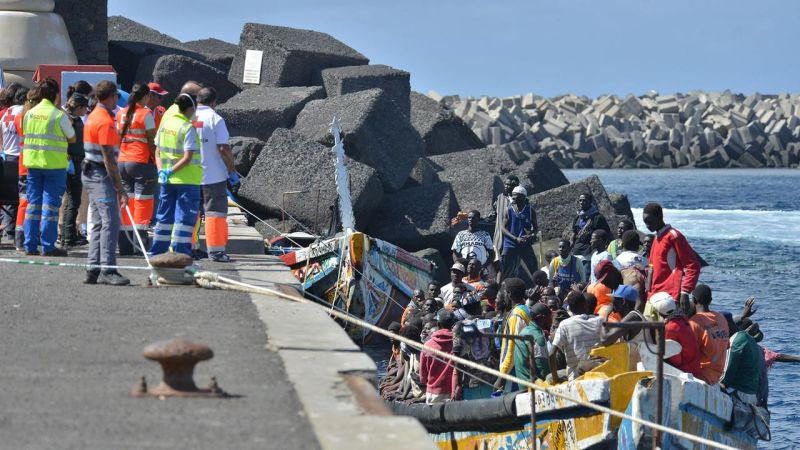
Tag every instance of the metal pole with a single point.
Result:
(316, 215)
(531, 368)
(660, 332)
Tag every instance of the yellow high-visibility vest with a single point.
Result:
(45, 143)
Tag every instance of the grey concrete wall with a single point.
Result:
(87, 23)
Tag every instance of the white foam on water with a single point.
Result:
(771, 226)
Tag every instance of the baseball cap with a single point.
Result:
(663, 303)
(156, 88)
(520, 190)
(459, 267)
(627, 293)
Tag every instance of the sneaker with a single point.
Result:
(77, 242)
(55, 252)
(113, 278)
(220, 257)
(198, 254)
(91, 276)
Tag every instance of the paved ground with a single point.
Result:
(70, 354)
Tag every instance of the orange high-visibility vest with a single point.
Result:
(134, 146)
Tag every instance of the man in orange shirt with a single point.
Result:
(102, 181)
(712, 333)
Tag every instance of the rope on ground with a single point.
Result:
(30, 262)
(213, 277)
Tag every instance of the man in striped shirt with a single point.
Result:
(576, 336)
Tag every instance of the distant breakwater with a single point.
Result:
(698, 129)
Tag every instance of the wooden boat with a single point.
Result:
(622, 383)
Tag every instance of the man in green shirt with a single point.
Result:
(743, 369)
(540, 320)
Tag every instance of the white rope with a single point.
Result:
(153, 276)
(31, 262)
(213, 277)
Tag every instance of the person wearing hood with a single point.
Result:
(677, 328)
(586, 222)
(435, 373)
(519, 234)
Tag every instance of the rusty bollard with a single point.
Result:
(177, 358)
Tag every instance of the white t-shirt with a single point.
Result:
(575, 337)
(473, 245)
(213, 132)
(446, 294)
(11, 139)
(629, 258)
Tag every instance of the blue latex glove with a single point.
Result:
(163, 175)
(233, 177)
(70, 167)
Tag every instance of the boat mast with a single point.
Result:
(342, 180)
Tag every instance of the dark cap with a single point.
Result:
(539, 309)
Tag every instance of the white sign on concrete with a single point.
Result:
(252, 66)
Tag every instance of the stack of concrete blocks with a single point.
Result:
(698, 129)
(24, 23)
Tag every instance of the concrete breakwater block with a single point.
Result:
(290, 162)
(477, 176)
(245, 151)
(171, 71)
(292, 57)
(557, 208)
(129, 42)
(215, 50)
(345, 80)
(416, 218)
(375, 132)
(258, 112)
(441, 129)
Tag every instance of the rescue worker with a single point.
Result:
(32, 98)
(10, 153)
(48, 131)
(191, 88)
(180, 174)
(103, 184)
(137, 130)
(154, 100)
(218, 169)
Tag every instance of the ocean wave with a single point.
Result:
(773, 226)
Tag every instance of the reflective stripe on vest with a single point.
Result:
(45, 143)
(171, 150)
(135, 138)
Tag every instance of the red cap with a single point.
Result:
(156, 88)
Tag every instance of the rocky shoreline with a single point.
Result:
(698, 129)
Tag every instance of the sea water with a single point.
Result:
(746, 225)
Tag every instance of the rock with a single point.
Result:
(441, 271)
(556, 208)
(258, 112)
(245, 151)
(375, 132)
(477, 176)
(215, 50)
(172, 71)
(346, 80)
(129, 42)
(87, 24)
(290, 162)
(440, 128)
(292, 57)
(620, 205)
(416, 218)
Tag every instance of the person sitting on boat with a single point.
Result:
(457, 272)
(541, 320)
(675, 267)
(586, 222)
(712, 333)
(473, 242)
(576, 336)
(565, 269)
(628, 255)
(395, 369)
(414, 306)
(435, 373)
(623, 300)
(519, 234)
(608, 279)
(624, 305)
(677, 328)
(615, 247)
(647, 244)
(470, 344)
(473, 276)
(598, 244)
(744, 365)
(514, 323)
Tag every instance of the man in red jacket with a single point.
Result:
(435, 372)
(675, 267)
(677, 328)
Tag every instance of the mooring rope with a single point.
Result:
(211, 279)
